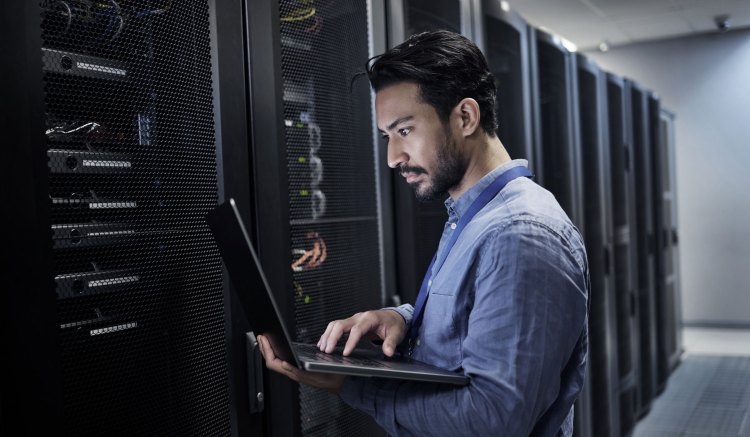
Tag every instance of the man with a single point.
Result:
(505, 302)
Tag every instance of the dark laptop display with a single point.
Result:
(256, 298)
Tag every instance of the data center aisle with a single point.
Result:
(709, 394)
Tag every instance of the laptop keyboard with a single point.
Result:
(311, 352)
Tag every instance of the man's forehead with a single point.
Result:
(396, 104)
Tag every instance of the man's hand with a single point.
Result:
(387, 325)
(326, 381)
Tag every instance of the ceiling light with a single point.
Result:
(604, 46)
(569, 45)
(505, 6)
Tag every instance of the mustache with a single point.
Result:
(403, 169)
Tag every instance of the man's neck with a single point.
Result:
(487, 155)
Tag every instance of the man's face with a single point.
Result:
(420, 145)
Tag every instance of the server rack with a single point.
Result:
(597, 201)
(560, 152)
(316, 175)
(419, 225)
(671, 277)
(504, 38)
(558, 122)
(118, 322)
(644, 226)
(623, 192)
(662, 328)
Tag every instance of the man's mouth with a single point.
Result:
(410, 177)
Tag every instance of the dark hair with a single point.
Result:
(447, 66)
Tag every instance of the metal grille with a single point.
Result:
(335, 255)
(132, 172)
(427, 15)
(621, 224)
(596, 239)
(504, 47)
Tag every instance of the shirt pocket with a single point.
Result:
(439, 339)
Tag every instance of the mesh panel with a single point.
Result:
(504, 54)
(333, 206)
(427, 15)
(132, 172)
(553, 106)
(595, 236)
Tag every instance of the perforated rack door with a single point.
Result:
(335, 253)
(132, 173)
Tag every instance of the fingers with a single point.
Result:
(338, 329)
(395, 331)
(324, 338)
(274, 363)
(333, 334)
(329, 382)
(389, 345)
(363, 326)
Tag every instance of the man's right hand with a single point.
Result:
(388, 325)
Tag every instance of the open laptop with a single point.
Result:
(256, 298)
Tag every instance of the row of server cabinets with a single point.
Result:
(604, 147)
(127, 121)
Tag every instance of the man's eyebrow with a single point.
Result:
(398, 121)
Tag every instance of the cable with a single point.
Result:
(300, 15)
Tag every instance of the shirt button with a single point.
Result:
(419, 342)
(453, 226)
(429, 283)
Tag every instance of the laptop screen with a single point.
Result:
(250, 286)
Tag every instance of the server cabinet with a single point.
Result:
(623, 192)
(644, 226)
(119, 296)
(504, 38)
(316, 178)
(671, 274)
(561, 152)
(661, 320)
(558, 121)
(419, 225)
(597, 201)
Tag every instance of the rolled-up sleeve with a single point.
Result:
(526, 318)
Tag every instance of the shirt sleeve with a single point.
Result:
(405, 310)
(527, 314)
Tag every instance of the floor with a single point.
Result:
(709, 393)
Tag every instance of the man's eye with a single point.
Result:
(404, 132)
(384, 136)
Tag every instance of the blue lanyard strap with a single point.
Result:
(480, 202)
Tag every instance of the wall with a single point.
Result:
(705, 80)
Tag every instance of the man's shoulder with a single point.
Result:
(525, 204)
(526, 209)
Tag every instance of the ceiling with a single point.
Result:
(588, 23)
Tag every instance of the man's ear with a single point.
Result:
(469, 116)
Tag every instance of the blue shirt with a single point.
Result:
(509, 309)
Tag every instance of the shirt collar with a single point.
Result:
(456, 208)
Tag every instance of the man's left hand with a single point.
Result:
(326, 381)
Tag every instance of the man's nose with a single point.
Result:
(396, 154)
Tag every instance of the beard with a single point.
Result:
(449, 170)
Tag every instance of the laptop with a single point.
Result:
(257, 300)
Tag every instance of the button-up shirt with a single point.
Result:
(508, 309)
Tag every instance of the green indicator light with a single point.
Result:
(307, 299)
(303, 193)
(301, 159)
(300, 125)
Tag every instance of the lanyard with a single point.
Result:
(484, 198)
